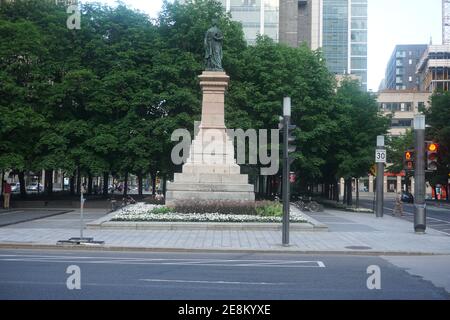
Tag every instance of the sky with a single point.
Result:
(391, 22)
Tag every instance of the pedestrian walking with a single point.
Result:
(6, 194)
(398, 209)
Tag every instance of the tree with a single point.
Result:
(21, 78)
(359, 123)
(438, 119)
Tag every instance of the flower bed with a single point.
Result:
(143, 212)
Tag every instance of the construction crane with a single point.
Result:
(446, 21)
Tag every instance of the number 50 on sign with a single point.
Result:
(380, 155)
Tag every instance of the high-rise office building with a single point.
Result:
(339, 27)
(433, 69)
(258, 17)
(401, 68)
(301, 22)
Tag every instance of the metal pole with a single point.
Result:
(81, 215)
(286, 183)
(286, 186)
(380, 181)
(420, 212)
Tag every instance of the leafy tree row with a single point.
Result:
(105, 99)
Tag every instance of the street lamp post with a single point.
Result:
(420, 212)
(286, 169)
(380, 181)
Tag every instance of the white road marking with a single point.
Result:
(169, 261)
(428, 218)
(214, 282)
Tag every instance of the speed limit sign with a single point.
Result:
(380, 155)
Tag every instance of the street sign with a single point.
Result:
(380, 155)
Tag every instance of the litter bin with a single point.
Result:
(114, 205)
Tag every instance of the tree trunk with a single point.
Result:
(48, 182)
(140, 184)
(72, 183)
(153, 176)
(349, 191)
(336, 191)
(326, 191)
(357, 193)
(89, 184)
(23, 190)
(344, 198)
(78, 181)
(164, 185)
(1, 182)
(105, 183)
(125, 185)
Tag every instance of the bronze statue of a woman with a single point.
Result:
(213, 48)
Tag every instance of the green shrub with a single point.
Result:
(269, 209)
(213, 206)
(161, 210)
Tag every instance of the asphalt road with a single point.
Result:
(438, 218)
(210, 276)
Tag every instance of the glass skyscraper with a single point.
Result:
(345, 37)
(339, 27)
(256, 16)
(358, 39)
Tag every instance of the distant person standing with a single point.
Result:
(398, 209)
(6, 194)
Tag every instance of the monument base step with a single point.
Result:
(173, 196)
(209, 187)
(210, 178)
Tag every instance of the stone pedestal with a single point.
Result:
(211, 172)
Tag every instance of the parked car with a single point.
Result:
(34, 186)
(15, 187)
(407, 197)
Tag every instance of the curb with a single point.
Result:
(307, 227)
(81, 247)
(312, 225)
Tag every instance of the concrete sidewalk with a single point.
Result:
(349, 233)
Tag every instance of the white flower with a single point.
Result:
(142, 212)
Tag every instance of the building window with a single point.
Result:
(410, 79)
(399, 80)
(399, 63)
(401, 123)
(359, 36)
(410, 61)
(400, 54)
(359, 50)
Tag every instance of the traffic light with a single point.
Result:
(291, 139)
(432, 155)
(288, 138)
(408, 160)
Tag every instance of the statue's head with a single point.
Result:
(214, 21)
